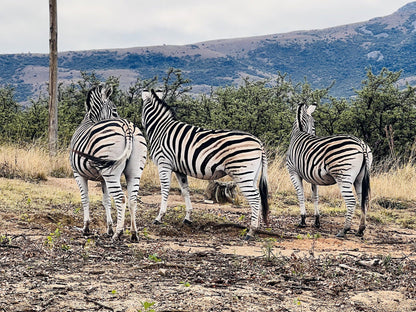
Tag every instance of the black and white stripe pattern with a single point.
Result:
(187, 150)
(103, 147)
(341, 159)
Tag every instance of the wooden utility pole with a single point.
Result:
(53, 78)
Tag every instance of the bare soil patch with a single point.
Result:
(46, 264)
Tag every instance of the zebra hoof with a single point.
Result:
(187, 222)
(317, 222)
(360, 233)
(134, 237)
(110, 231)
(86, 229)
(302, 223)
(117, 236)
(248, 237)
(341, 234)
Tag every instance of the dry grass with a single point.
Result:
(34, 163)
(397, 183)
(390, 189)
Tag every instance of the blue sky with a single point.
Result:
(103, 24)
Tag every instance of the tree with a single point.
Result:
(9, 110)
(380, 105)
(381, 114)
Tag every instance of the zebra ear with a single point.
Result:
(108, 91)
(311, 109)
(145, 94)
(160, 94)
(88, 100)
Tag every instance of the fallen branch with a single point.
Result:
(10, 246)
(99, 304)
(344, 266)
(166, 265)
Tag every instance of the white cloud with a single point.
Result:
(101, 24)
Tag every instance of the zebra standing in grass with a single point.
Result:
(102, 148)
(341, 159)
(204, 154)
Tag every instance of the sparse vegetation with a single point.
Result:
(268, 246)
(147, 306)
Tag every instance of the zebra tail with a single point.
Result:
(366, 189)
(99, 161)
(127, 149)
(264, 190)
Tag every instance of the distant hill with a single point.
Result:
(339, 53)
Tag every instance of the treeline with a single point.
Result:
(382, 113)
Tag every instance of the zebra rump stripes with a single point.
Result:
(205, 154)
(341, 159)
(102, 148)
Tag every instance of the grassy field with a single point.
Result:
(30, 177)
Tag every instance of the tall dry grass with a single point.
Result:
(34, 163)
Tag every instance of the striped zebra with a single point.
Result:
(103, 147)
(341, 159)
(188, 150)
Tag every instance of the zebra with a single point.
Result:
(102, 148)
(188, 150)
(341, 159)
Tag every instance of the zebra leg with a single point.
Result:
(247, 183)
(133, 173)
(359, 192)
(298, 184)
(362, 189)
(183, 182)
(348, 196)
(112, 181)
(315, 198)
(107, 207)
(252, 195)
(165, 175)
(83, 188)
(120, 202)
(132, 191)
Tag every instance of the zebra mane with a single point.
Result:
(304, 112)
(299, 117)
(162, 103)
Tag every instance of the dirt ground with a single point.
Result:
(46, 264)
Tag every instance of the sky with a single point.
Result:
(109, 24)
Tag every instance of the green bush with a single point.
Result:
(381, 113)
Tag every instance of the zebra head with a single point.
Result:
(98, 103)
(154, 107)
(304, 119)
